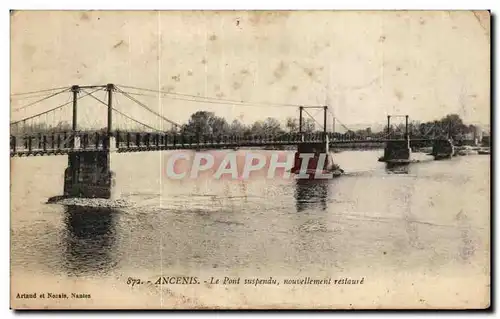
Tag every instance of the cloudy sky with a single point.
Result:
(363, 65)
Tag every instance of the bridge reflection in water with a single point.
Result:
(397, 168)
(89, 239)
(311, 194)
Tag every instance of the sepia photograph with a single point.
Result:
(229, 159)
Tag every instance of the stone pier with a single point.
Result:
(317, 149)
(88, 175)
(443, 149)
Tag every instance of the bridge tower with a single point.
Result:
(318, 149)
(397, 150)
(89, 173)
(442, 147)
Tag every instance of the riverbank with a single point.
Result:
(89, 202)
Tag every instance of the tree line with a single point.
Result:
(207, 123)
(451, 126)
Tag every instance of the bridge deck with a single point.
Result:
(68, 142)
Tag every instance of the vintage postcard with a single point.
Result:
(250, 160)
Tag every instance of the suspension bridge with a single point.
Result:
(58, 131)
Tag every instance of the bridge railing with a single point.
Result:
(58, 141)
(131, 140)
(99, 140)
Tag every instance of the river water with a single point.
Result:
(418, 236)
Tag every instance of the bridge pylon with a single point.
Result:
(315, 153)
(89, 172)
(397, 151)
(88, 175)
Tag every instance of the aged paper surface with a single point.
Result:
(126, 126)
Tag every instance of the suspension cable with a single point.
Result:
(240, 102)
(321, 126)
(206, 101)
(147, 108)
(121, 113)
(53, 109)
(38, 101)
(39, 91)
(336, 119)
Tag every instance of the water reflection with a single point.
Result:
(311, 194)
(397, 168)
(89, 240)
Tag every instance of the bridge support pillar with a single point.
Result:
(316, 149)
(396, 151)
(443, 149)
(88, 175)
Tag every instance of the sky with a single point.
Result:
(363, 65)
